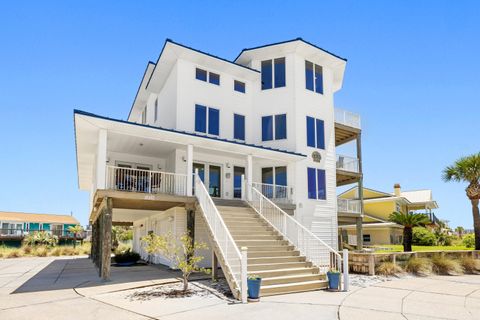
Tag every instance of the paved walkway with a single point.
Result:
(61, 288)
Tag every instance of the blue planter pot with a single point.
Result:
(333, 280)
(254, 288)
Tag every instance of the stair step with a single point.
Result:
(277, 266)
(243, 219)
(234, 228)
(253, 232)
(271, 254)
(283, 272)
(265, 260)
(251, 243)
(292, 279)
(292, 287)
(266, 248)
(259, 237)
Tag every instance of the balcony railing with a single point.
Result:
(347, 163)
(276, 193)
(349, 206)
(20, 233)
(347, 118)
(146, 181)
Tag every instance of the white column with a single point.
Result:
(346, 277)
(102, 159)
(249, 176)
(243, 275)
(189, 169)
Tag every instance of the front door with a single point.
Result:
(215, 181)
(237, 181)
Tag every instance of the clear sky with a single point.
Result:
(412, 74)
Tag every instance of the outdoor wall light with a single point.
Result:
(228, 165)
(184, 159)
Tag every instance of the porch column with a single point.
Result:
(101, 159)
(249, 176)
(189, 169)
(360, 194)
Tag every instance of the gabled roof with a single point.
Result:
(37, 217)
(381, 194)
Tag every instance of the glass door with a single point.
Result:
(237, 181)
(201, 173)
(214, 181)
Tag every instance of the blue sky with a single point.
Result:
(412, 74)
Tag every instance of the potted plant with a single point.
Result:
(126, 258)
(333, 276)
(253, 283)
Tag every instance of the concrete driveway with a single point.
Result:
(60, 288)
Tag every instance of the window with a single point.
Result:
(273, 73)
(366, 238)
(316, 184)
(201, 74)
(238, 127)
(156, 109)
(279, 122)
(201, 120)
(144, 115)
(315, 133)
(214, 78)
(239, 86)
(313, 77)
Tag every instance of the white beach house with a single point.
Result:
(260, 132)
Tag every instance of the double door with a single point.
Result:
(211, 176)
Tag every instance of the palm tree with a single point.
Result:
(76, 230)
(408, 221)
(460, 230)
(467, 169)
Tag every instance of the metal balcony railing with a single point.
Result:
(347, 118)
(346, 163)
(276, 193)
(349, 206)
(20, 233)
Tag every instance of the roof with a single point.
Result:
(288, 41)
(37, 217)
(418, 195)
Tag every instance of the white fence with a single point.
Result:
(316, 250)
(275, 192)
(349, 206)
(148, 181)
(347, 163)
(233, 259)
(347, 118)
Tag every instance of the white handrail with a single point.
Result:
(319, 253)
(233, 259)
(146, 181)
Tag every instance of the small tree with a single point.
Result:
(460, 230)
(408, 221)
(76, 230)
(182, 253)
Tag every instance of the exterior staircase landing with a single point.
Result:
(281, 267)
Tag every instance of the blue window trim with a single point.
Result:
(266, 68)
(238, 127)
(317, 185)
(321, 185)
(201, 74)
(310, 132)
(280, 72)
(267, 128)
(213, 121)
(200, 118)
(315, 129)
(239, 86)
(313, 77)
(309, 80)
(312, 183)
(320, 129)
(215, 80)
(280, 126)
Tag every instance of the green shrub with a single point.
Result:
(419, 266)
(447, 266)
(388, 268)
(423, 237)
(127, 256)
(469, 240)
(470, 265)
(40, 238)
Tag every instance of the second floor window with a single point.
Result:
(313, 77)
(315, 133)
(273, 73)
(156, 109)
(316, 184)
(238, 127)
(211, 77)
(274, 124)
(207, 119)
(144, 115)
(239, 86)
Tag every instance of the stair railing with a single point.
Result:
(312, 247)
(233, 260)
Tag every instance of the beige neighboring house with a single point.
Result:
(378, 206)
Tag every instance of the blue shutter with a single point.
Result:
(321, 185)
(320, 134)
(279, 72)
(200, 118)
(280, 126)
(238, 127)
(312, 186)
(310, 132)
(267, 128)
(318, 79)
(267, 74)
(309, 75)
(213, 121)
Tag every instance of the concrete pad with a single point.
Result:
(435, 305)
(320, 297)
(377, 298)
(349, 313)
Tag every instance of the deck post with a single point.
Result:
(107, 240)
(359, 221)
(346, 276)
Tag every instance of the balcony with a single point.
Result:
(276, 193)
(20, 233)
(348, 206)
(348, 170)
(347, 126)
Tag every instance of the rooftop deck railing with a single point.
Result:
(146, 181)
(349, 206)
(346, 163)
(347, 118)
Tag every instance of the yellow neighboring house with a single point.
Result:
(378, 206)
